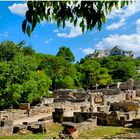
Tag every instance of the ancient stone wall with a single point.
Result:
(124, 106)
(137, 84)
(36, 110)
(114, 98)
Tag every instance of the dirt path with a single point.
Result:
(36, 117)
(32, 118)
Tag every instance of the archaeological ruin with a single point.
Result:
(78, 111)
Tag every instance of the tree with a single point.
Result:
(57, 68)
(8, 50)
(91, 13)
(93, 74)
(28, 51)
(124, 71)
(19, 79)
(66, 54)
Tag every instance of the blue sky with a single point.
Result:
(122, 28)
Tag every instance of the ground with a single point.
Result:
(98, 132)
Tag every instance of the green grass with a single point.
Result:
(53, 130)
(103, 132)
(27, 136)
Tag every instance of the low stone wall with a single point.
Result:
(74, 129)
(5, 115)
(138, 92)
(38, 110)
(67, 106)
(6, 128)
(6, 131)
(114, 98)
(82, 116)
(124, 106)
(136, 122)
(68, 119)
(137, 84)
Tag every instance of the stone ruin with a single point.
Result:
(6, 123)
(74, 125)
(122, 113)
(73, 96)
(114, 106)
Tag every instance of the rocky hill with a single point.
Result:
(114, 51)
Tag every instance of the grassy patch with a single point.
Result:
(53, 130)
(134, 130)
(103, 132)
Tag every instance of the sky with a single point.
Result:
(122, 28)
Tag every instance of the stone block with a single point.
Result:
(19, 127)
(8, 123)
(24, 106)
(45, 118)
(6, 131)
(68, 119)
(136, 122)
(5, 115)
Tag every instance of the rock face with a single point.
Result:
(114, 51)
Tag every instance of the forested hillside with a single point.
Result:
(26, 75)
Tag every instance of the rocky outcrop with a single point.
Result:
(114, 51)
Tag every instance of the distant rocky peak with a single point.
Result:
(114, 51)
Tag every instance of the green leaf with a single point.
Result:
(29, 16)
(58, 23)
(75, 22)
(63, 23)
(24, 25)
(122, 3)
(117, 4)
(28, 31)
(83, 28)
(82, 23)
(41, 16)
(34, 23)
(71, 20)
(103, 18)
(99, 25)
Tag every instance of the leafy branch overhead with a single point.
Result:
(90, 13)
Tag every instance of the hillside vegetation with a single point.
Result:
(26, 76)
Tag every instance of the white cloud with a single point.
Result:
(73, 31)
(123, 15)
(19, 9)
(87, 50)
(6, 34)
(130, 10)
(116, 25)
(138, 25)
(56, 31)
(125, 42)
(48, 41)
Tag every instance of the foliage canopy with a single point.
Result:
(90, 13)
